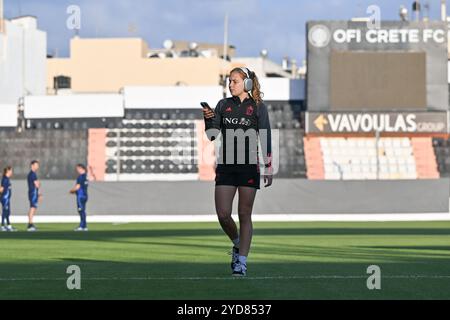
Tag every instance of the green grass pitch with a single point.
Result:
(295, 260)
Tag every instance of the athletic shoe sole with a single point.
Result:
(239, 275)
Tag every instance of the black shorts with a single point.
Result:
(239, 179)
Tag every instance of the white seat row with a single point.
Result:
(370, 176)
(366, 160)
(365, 142)
(367, 168)
(358, 158)
(367, 152)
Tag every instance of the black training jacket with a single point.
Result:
(249, 120)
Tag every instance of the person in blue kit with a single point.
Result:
(33, 193)
(81, 192)
(5, 197)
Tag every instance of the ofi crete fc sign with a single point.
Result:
(320, 35)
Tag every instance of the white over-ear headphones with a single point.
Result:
(248, 82)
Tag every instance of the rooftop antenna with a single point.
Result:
(168, 44)
(359, 9)
(443, 10)
(264, 54)
(132, 29)
(225, 52)
(416, 9)
(225, 37)
(403, 12)
(426, 11)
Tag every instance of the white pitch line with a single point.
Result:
(312, 277)
(122, 219)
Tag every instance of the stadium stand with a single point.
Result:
(286, 118)
(426, 165)
(163, 139)
(140, 147)
(152, 147)
(360, 158)
(442, 150)
(134, 135)
(169, 144)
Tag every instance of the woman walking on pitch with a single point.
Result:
(242, 121)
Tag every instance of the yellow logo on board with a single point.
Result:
(321, 122)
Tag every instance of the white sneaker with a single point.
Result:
(234, 257)
(78, 229)
(4, 229)
(11, 229)
(85, 229)
(240, 270)
(32, 229)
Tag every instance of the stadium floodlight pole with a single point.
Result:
(24, 82)
(416, 8)
(1, 16)
(264, 53)
(225, 52)
(444, 10)
(225, 38)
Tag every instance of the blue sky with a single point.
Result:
(278, 26)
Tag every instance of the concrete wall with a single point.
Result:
(281, 89)
(23, 52)
(11, 64)
(74, 106)
(284, 197)
(35, 62)
(8, 115)
(171, 97)
(107, 65)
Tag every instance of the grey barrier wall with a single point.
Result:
(57, 150)
(286, 196)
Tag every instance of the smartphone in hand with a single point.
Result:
(206, 105)
(208, 112)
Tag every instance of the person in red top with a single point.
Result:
(242, 121)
